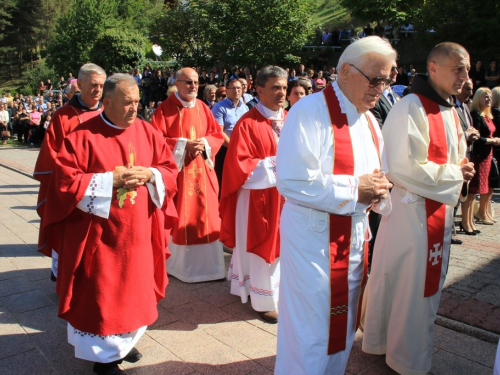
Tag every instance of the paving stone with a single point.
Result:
(22, 302)
(14, 344)
(30, 362)
(54, 344)
(216, 294)
(445, 363)
(200, 313)
(14, 286)
(465, 346)
(41, 320)
(164, 317)
(158, 360)
(73, 366)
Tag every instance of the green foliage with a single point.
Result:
(117, 50)
(203, 32)
(77, 31)
(32, 78)
(475, 25)
(397, 12)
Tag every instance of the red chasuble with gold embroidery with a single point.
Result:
(251, 141)
(197, 198)
(112, 272)
(64, 121)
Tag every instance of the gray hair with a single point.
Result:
(357, 52)
(87, 69)
(112, 82)
(270, 71)
(207, 89)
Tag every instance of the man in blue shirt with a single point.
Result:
(227, 112)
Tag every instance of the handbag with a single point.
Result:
(5, 134)
(494, 172)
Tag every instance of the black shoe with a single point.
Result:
(53, 277)
(133, 356)
(455, 241)
(477, 231)
(108, 368)
(471, 233)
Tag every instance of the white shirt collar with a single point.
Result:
(185, 104)
(110, 123)
(269, 113)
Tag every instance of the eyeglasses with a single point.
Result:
(222, 96)
(394, 68)
(189, 82)
(374, 82)
(309, 88)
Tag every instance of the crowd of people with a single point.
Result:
(148, 174)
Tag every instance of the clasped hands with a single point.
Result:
(131, 177)
(195, 147)
(373, 187)
(472, 134)
(467, 169)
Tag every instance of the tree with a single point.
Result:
(124, 50)
(475, 25)
(77, 31)
(201, 32)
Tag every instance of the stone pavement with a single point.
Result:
(202, 329)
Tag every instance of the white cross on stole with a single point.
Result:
(434, 254)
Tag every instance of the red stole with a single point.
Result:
(340, 229)
(435, 211)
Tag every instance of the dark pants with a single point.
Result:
(374, 221)
(219, 165)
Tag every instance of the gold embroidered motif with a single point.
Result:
(195, 170)
(342, 205)
(192, 133)
(194, 188)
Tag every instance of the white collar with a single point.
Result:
(185, 104)
(269, 113)
(345, 105)
(110, 123)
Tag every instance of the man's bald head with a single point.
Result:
(444, 51)
(186, 81)
(448, 67)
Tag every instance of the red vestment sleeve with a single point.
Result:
(251, 141)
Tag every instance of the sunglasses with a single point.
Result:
(374, 82)
(189, 82)
(222, 96)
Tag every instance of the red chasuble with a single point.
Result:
(111, 272)
(435, 211)
(340, 229)
(251, 141)
(64, 121)
(197, 198)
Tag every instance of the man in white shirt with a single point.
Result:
(331, 169)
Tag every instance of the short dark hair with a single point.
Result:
(270, 71)
(232, 80)
(299, 82)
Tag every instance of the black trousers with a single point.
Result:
(219, 165)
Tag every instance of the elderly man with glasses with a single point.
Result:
(330, 168)
(195, 138)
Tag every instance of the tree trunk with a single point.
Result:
(31, 59)
(9, 64)
(20, 64)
